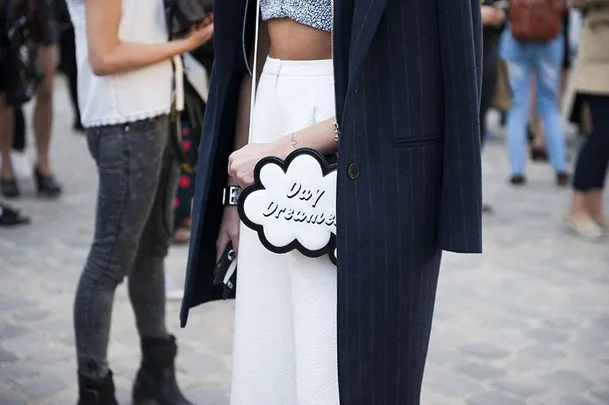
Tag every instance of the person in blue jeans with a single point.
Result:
(544, 60)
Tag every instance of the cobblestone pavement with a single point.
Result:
(525, 323)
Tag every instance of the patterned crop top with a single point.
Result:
(314, 13)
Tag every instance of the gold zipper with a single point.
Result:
(336, 125)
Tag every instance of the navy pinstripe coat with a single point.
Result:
(409, 183)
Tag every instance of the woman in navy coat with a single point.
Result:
(407, 84)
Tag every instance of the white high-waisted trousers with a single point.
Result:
(285, 314)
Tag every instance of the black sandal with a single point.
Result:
(11, 217)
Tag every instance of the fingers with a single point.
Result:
(208, 19)
(221, 243)
(234, 237)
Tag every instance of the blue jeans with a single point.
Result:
(544, 60)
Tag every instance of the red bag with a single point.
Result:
(536, 20)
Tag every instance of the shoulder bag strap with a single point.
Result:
(254, 70)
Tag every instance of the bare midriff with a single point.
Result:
(290, 40)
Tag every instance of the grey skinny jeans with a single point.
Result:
(137, 182)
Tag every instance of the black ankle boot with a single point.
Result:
(91, 392)
(156, 380)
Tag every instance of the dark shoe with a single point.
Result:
(518, 180)
(47, 186)
(11, 217)
(9, 188)
(92, 392)
(562, 179)
(156, 380)
(539, 154)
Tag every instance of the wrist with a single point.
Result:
(284, 146)
(184, 44)
(232, 182)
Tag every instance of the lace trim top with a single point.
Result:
(314, 13)
(130, 96)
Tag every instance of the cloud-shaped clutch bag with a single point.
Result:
(292, 204)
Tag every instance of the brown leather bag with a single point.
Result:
(536, 20)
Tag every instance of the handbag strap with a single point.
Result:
(178, 65)
(254, 71)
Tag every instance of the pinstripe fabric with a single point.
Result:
(407, 86)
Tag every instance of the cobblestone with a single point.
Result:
(493, 398)
(527, 322)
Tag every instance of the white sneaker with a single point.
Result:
(586, 229)
(172, 292)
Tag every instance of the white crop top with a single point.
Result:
(125, 97)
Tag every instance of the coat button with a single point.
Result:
(353, 171)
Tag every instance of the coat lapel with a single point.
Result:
(366, 17)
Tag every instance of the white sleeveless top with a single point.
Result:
(125, 97)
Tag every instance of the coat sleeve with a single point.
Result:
(460, 29)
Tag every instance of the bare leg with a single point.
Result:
(586, 119)
(43, 111)
(6, 139)
(580, 206)
(595, 204)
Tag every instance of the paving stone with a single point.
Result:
(485, 351)
(601, 395)
(542, 352)
(603, 322)
(42, 386)
(16, 370)
(493, 398)
(519, 387)
(9, 331)
(570, 381)
(547, 335)
(480, 372)
(26, 345)
(200, 364)
(209, 396)
(440, 356)
(6, 356)
(31, 315)
(454, 386)
(11, 303)
(8, 396)
(69, 396)
(577, 400)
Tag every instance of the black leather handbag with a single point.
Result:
(22, 73)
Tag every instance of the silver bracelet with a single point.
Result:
(336, 132)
